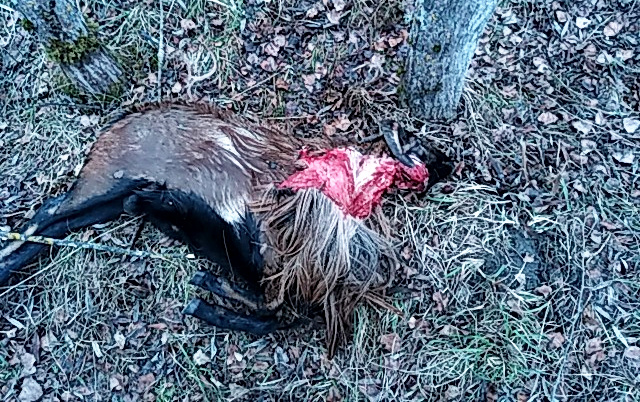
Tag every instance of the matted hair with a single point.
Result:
(315, 253)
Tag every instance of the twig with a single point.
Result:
(14, 236)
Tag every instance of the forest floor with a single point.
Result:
(523, 267)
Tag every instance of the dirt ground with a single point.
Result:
(522, 269)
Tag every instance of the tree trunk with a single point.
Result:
(444, 36)
(73, 43)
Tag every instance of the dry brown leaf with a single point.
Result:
(187, 24)
(582, 126)
(119, 339)
(544, 290)
(27, 360)
(282, 84)
(632, 352)
(547, 118)
(269, 64)
(31, 391)
(339, 5)
(116, 382)
(334, 17)
(582, 22)
(201, 358)
(272, 49)
(309, 80)
(312, 12)
(145, 382)
(556, 339)
(612, 29)
(342, 123)
(593, 345)
(441, 301)
(280, 40)
(630, 125)
(391, 342)
(626, 158)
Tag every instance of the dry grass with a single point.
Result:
(522, 272)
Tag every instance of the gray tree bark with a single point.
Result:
(70, 41)
(444, 36)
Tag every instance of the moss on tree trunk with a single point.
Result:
(444, 36)
(73, 43)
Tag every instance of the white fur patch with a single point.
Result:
(232, 211)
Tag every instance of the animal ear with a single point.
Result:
(392, 131)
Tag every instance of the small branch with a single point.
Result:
(14, 236)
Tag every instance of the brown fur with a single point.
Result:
(314, 255)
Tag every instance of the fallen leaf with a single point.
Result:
(612, 29)
(115, 382)
(333, 395)
(391, 342)
(187, 24)
(627, 157)
(84, 121)
(145, 382)
(281, 84)
(377, 61)
(309, 80)
(47, 341)
(556, 339)
(201, 358)
(339, 5)
(593, 345)
(269, 64)
(31, 391)
(312, 12)
(280, 40)
(547, 118)
(588, 146)
(632, 352)
(582, 126)
(119, 339)
(630, 125)
(271, 49)
(544, 290)
(342, 123)
(334, 16)
(582, 22)
(27, 360)
(441, 301)
(624, 54)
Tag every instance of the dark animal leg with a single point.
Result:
(136, 235)
(224, 318)
(50, 222)
(188, 218)
(228, 290)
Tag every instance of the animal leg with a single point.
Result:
(191, 220)
(224, 318)
(54, 219)
(227, 290)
